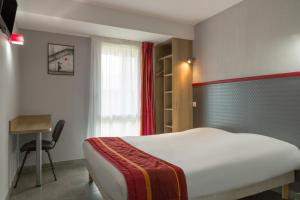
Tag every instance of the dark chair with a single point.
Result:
(46, 146)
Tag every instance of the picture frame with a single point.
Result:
(61, 59)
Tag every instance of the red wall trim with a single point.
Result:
(250, 78)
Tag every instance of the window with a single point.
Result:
(114, 108)
(120, 89)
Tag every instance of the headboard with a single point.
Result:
(269, 107)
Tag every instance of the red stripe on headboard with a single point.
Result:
(250, 78)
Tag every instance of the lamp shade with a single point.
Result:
(17, 39)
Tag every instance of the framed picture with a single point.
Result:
(60, 59)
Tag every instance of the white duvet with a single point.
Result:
(213, 160)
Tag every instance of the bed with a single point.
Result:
(217, 164)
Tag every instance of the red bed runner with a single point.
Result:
(147, 177)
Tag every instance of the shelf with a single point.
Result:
(166, 57)
(173, 94)
(168, 126)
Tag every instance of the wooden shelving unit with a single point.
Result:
(173, 86)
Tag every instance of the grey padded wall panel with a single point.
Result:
(269, 107)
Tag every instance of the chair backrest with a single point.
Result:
(57, 130)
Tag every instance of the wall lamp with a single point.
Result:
(190, 60)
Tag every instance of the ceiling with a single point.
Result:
(184, 11)
(139, 20)
(72, 27)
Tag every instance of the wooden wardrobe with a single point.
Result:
(173, 86)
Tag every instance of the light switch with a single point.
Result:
(194, 104)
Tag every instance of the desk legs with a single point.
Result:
(38, 159)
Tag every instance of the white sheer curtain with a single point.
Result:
(115, 88)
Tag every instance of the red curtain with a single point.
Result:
(147, 96)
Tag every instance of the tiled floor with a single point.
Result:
(73, 184)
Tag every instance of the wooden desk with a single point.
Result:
(33, 124)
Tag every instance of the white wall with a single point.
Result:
(9, 109)
(255, 37)
(64, 97)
